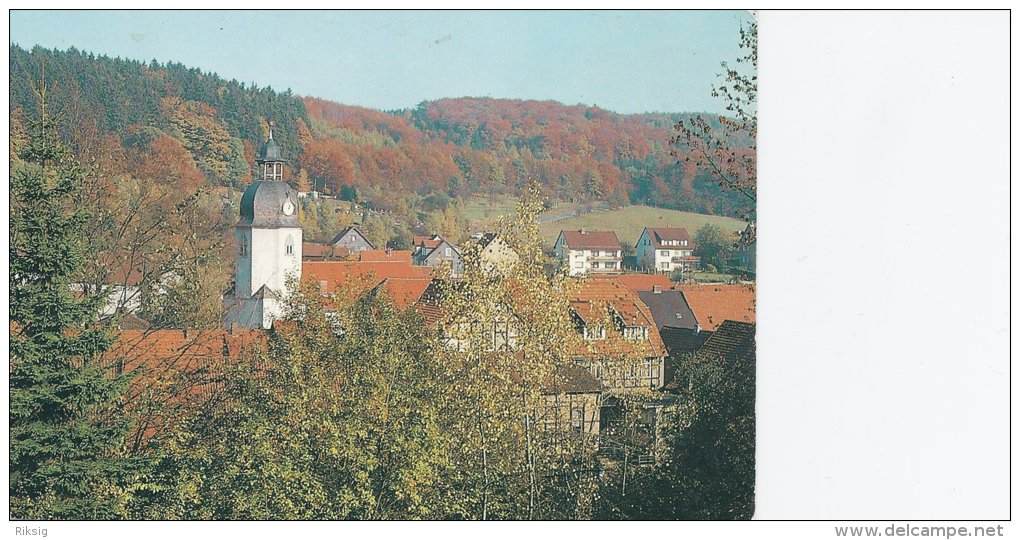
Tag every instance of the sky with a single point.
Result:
(624, 61)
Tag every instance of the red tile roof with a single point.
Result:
(713, 304)
(663, 234)
(405, 291)
(176, 368)
(385, 255)
(591, 239)
(430, 242)
(312, 250)
(595, 295)
(641, 282)
(354, 278)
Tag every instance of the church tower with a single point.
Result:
(268, 243)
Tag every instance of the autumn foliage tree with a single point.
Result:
(729, 151)
(328, 164)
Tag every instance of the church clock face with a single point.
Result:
(288, 208)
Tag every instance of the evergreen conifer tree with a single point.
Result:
(67, 424)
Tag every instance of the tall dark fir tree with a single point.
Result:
(67, 422)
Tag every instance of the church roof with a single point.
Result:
(262, 205)
(271, 151)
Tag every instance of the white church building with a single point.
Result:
(269, 238)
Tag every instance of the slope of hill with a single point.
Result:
(413, 163)
(220, 122)
(628, 222)
(470, 145)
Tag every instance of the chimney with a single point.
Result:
(389, 251)
(583, 231)
(656, 289)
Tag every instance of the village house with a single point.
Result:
(589, 252)
(573, 402)
(351, 238)
(184, 365)
(572, 395)
(122, 287)
(435, 251)
(733, 343)
(670, 312)
(746, 256)
(666, 250)
(347, 280)
(625, 352)
(622, 347)
(494, 253)
(313, 251)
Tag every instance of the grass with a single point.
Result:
(483, 210)
(712, 277)
(628, 222)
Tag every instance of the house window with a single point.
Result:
(594, 265)
(665, 254)
(577, 419)
(449, 252)
(244, 247)
(289, 245)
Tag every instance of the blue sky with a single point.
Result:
(625, 61)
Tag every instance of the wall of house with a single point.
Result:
(127, 298)
(439, 257)
(618, 374)
(498, 256)
(581, 261)
(572, 413)
(353, 241)
(643, 251)
(664, 258)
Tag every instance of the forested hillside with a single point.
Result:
(412, 160)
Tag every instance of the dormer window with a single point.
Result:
(635, 332)
(594, 333)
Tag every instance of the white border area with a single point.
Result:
(884, 323)
(884, 241)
